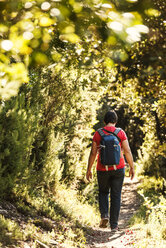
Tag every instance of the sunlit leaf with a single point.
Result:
(109, 63)
(55, 12)
(115, 26)
(68, 30)
(28, 5)
(112, 40)
(133, 35)
(73, 38)
(46, 21)
(132, 1)
(64, 11)
(77, 7)
(10, 89)
(46, 37)
(153, 12)
(4, 59)
(3, 28)
(28, 35)
(142, 28)
(41, 58)
(106, 5)
(34, 43)
(7, 45)
(45, 6)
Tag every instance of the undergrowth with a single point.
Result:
(150, 219)
(60, 218)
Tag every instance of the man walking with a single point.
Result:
(110, 178)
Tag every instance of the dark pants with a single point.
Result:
(110, 182)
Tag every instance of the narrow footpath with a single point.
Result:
(125, 238)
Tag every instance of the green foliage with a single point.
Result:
(17, 128)
(63, 64)
(51, 126)
(150, 218)
(151, 157)
(54, 130)
(140, 86)
(151, 184)
(28, 30)
(9, 231)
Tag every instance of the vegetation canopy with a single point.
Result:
(63, 63)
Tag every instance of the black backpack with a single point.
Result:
(110, 151)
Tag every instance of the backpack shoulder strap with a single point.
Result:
(100, 131)
(115, 133)
(117, 130)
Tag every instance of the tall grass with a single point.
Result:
(150, 220)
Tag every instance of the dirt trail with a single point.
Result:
(125, 238)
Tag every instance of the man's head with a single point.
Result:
(110, 117)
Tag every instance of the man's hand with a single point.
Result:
(131, 172)
(89, 175)
(91, 160)
(129, 157)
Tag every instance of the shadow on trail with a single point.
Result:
(101, 238)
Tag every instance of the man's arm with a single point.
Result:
(91, 160)
(129, 157)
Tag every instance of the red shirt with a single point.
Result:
(97, 139)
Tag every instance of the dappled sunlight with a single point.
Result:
(37, 20)
(63, 65)
(68, 201)
(7, 45)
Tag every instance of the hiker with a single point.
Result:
(110, 177)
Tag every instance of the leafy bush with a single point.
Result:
(151, 217)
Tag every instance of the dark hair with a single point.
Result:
(110, 117)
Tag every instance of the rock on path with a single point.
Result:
(125, 238)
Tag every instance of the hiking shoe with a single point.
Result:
(114, 230)
(103, 223)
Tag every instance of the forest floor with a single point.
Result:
(126, 236)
